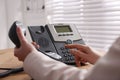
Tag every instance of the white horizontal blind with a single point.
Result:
(98, 21)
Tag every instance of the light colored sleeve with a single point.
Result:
(41, 67)
(108, 67)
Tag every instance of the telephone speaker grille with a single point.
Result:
(43, 42)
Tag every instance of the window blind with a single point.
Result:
(98, 21)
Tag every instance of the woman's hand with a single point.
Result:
(83, 52)
(25, 47)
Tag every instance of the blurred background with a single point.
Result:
(98, 21)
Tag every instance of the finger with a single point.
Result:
(21, 36)
(77, 61)
(35, 45)
(83, 61)
(78, 53)
(77, 46)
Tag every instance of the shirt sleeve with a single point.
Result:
(41, 67)
(108, 67)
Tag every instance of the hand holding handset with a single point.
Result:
(51, 39)
(13, 34)
(14, 38)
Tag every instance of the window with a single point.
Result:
(98, 21)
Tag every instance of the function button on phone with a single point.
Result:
(64, 51)
(62, 48)
(71, 34)
(60, 35)
(64, 34)
(65, 55)
(67, 59)
(68, 54)
(71, 58)
(69, 41)
(67, 50)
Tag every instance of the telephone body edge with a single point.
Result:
(52, 42)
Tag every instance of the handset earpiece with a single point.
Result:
(13, 33)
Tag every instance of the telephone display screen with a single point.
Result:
(64, 28)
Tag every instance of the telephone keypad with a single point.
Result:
(67, 56)
(51, 41)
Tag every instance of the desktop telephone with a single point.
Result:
(53, 37)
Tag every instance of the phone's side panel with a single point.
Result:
(41, 37)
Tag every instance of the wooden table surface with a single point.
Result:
(8, 60)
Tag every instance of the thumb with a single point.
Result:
(21, 36)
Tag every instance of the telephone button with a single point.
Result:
(60, 35)
(71, 34)
(62, 48)
(65, 55)
(63, 51)
(69, 55)
(64, 34)
(71, 58)
(69, 41)
(67, 59)
(68, 51)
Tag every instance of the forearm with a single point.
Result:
(107, 68)
(94, 58)
(41, 67)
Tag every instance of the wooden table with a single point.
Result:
(8, 60)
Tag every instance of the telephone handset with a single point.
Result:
(13, 34)
(53, 37)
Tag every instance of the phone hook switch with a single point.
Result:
(38, 32)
